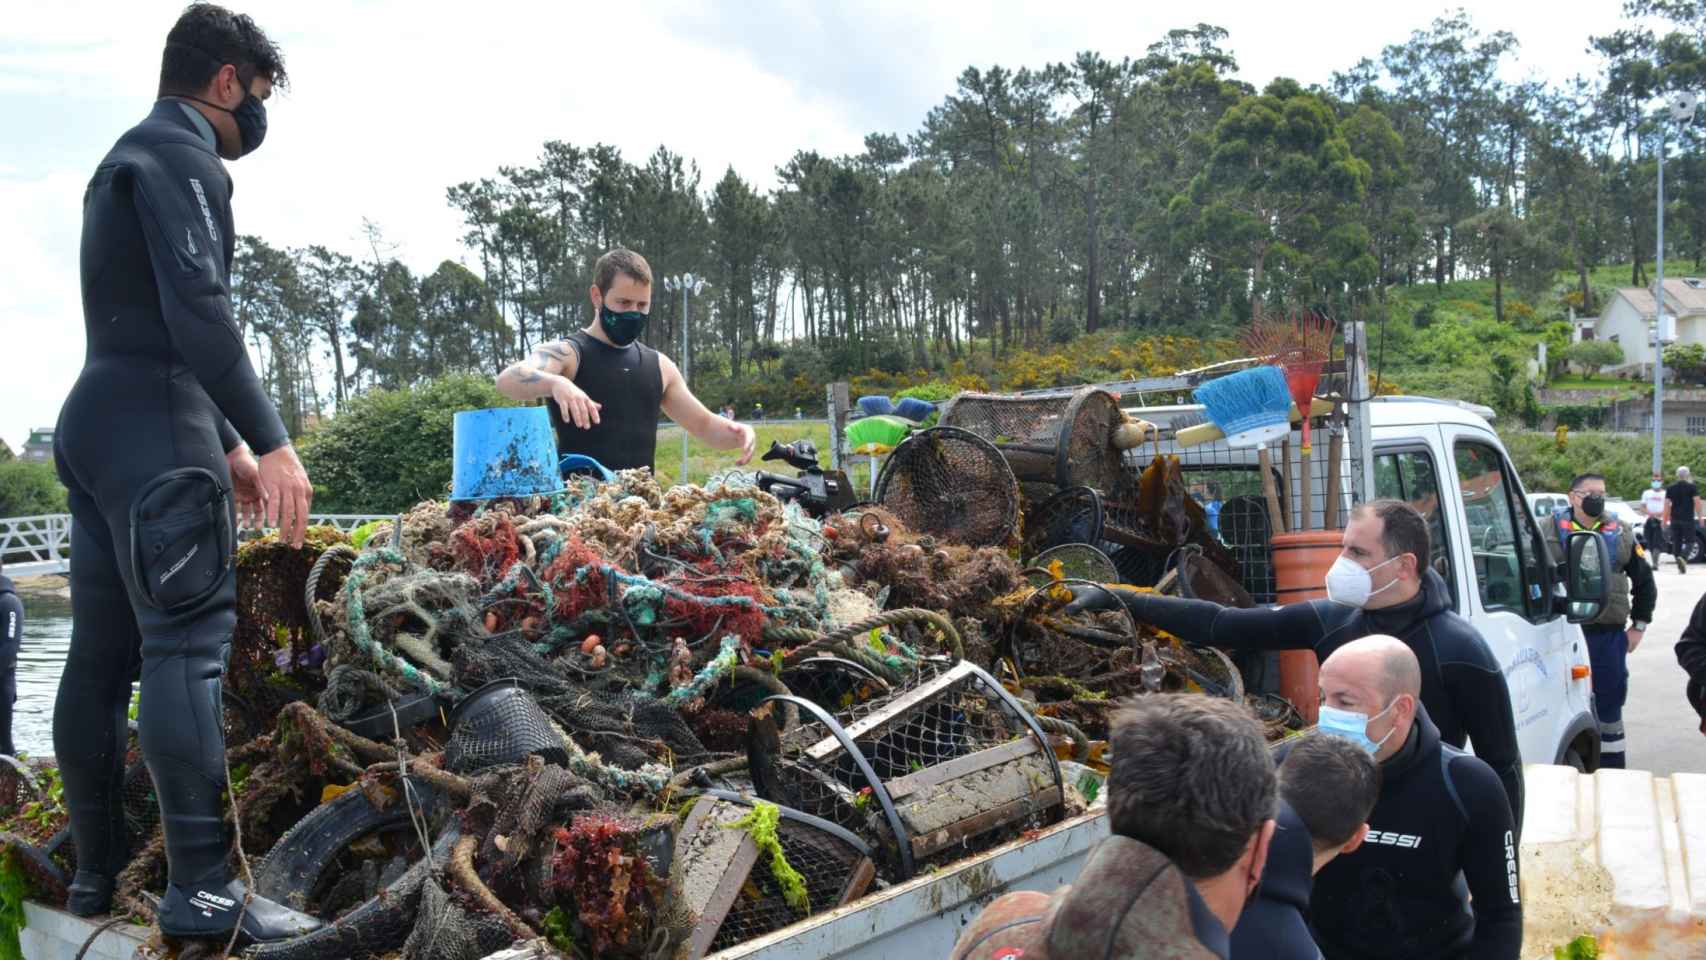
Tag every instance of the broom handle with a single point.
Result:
(1305, 505)
(1276, 519)
(1335, 452)
(1285, 479)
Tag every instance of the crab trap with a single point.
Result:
(944, 765)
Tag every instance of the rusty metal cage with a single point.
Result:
(947, 763)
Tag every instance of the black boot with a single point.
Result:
(184, 745)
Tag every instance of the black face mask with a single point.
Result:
(622, 328)
(251, 118)
(1593, 504)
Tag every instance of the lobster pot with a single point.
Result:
(948, 763)
(1050, 442)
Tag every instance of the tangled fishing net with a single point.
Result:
(646, 629)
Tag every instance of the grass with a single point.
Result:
(1575, 381)
(703, 461)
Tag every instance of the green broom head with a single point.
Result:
(1252, 407)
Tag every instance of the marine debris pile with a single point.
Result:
(629, 721)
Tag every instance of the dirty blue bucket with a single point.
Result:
(581, 463)
(504, 452)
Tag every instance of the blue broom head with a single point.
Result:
(1252, 407)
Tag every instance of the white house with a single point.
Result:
(1627, 319)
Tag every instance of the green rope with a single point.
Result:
(359, 632)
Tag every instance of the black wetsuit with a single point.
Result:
(1275, 925)
(141, 446)
(1462, 684)
(1691, 655)
(1436, 878)
(628, 384)
(11, 637)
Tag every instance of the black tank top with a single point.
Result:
(628, 384)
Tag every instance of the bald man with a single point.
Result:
(1437, 875)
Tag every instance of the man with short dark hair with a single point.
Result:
(1436, 877)
(1381, 583)
(1691, 656)
(1609, 644)
(1327, 787)
(604, 389)
(1683, 511)
(11, 638)
(1190, 808)
(156, 441)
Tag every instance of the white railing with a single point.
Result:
(32, 546)
(35, 545)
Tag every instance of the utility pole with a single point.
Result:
(1682, 108)
(687, 283)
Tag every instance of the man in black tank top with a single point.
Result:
(605, 389)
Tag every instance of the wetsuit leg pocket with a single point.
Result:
(181, 539)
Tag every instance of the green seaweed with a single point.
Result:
(556, 927)
(1584, 947)
(761, 824)
(14, 888)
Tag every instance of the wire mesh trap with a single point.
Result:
(1074, 515)
(1064, 440)
(951, 484)
(949, 763)
(1078, 561)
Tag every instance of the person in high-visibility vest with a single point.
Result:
(1618, 629)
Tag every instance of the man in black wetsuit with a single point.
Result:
(1436, 877)
(1381, 583)
(605, 389)
(156, 443)
(11, 637)
(1328, 787)
(1691, 655)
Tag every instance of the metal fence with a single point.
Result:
(32, 546)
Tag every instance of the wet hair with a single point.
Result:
(1582, 478)
(1332, 784)
(1191, 776)
(1403, 530)
(620, 262)
(206, 38)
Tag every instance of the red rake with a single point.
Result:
(1300, 345)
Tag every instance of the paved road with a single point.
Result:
(1662, 729)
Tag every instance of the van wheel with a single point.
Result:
(1573, 758)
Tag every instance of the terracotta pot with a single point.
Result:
(1301, 562)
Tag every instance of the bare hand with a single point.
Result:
(245, 486)
(1634, 638)
(573, 403)
(748, 442)
(285, 493)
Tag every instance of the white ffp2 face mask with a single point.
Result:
(1349, 583)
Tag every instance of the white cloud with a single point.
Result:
(392, 102)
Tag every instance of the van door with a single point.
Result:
(1510, 599)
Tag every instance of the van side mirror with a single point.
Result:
(1587, 576)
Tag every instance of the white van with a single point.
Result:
(1447, 461)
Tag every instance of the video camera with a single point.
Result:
(819, 491)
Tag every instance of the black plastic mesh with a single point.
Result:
(825, 861)
(951, 484)
(500, 724)
(1061, 440)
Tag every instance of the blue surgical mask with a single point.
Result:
(1352, 726)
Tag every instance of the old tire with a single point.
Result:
(294, 870)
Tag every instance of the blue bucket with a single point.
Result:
(876, 406)
(504, 452)
(581, 463)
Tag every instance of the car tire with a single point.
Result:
(1574, 758)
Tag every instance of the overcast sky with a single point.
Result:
(392, 101)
